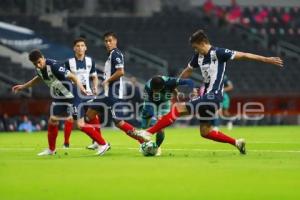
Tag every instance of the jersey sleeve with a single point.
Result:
(93, 71)
(67, 65)
(193, 63)
(225, 54)
(60, 70)
(117, 60)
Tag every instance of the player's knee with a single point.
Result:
(204, 130)
(80, 124)
(52, 121)
(70, 119)
(118, 122)
(90, 114)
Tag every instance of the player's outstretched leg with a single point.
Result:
(68, 126)
(95, 135)
(52, 135)
(130, 130)
(206, 131)
(177, 110)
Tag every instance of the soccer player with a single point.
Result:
(112, 96)
(65, 96)
(84, 68)
(158, 92)
(212, 63)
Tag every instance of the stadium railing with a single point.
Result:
(152, 61)
(7, 82)
(289, 49)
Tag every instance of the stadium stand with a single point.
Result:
(166, 34)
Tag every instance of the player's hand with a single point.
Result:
(83, 90)
(15, 89)
(194, 94)
(95, 90)
(104, 83)
(275, 61)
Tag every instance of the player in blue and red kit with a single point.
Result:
(84, 68)
(212, 63)
(66, 99)
(111, 100)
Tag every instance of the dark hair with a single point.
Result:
(80, 39)
(157, 83)
(34, 55)
(110, 33)
(198, 37)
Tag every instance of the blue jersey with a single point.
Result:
(114, 61)
(212, 67)
(54, 74)
(83, 69)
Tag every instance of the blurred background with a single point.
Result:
(153, 35)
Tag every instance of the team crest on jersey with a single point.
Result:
(61, 69)
(118, 60)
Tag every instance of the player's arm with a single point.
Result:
(117, 62)
(249, 56)
(35, 80)
(119, 72)
(94, 77)
(187, 72)
(193, 63)
(95, 82)
(76, 81)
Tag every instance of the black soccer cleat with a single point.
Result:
(241, 145)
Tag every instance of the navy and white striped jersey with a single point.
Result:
(55, 76)
(115, 61)
(212, 67)
(83, 69)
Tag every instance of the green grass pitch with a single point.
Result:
(190, 168)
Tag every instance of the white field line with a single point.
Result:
(165, 149)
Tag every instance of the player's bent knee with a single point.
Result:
(52, 120)
(80, 124)
(205, 129)
(118, 122)
(90, 113)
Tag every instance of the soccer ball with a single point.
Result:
(149, 148)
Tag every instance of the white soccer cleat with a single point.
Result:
(102, 149)
(241, 145)
(144, 135)
(158, 153)
(47, 152)
(93, 146)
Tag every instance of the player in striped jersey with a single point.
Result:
(66, 99)
(84, 68)
(111, 98)
(212, 63)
